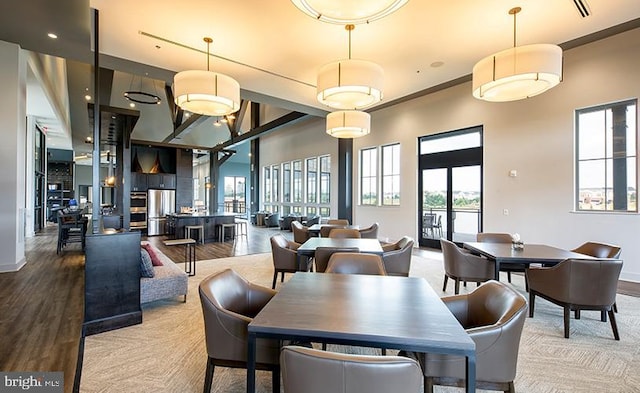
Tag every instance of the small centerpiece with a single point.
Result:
(516, 243)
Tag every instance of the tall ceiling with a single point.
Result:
(274, 50)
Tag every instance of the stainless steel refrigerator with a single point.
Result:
(159, 204)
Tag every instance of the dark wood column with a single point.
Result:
(254, 181)
(345, 178)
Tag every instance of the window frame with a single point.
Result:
(394, 176)
(372, 180)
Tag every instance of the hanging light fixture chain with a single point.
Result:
(349, 28)
(514, 11)
(208, 41)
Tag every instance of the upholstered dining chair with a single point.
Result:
(370, 232)
(323, 254)
(462, 266)
(285, 257)
(300, 232)
(495, 237)
(356, 263)
(229, 303)
(344, 233)
(397, 257)
(338, 221)
(493, 315)
(599, 250)
(306, 370)
(577, 284)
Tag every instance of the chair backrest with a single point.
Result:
(306, 370)
(284, 256)
(465, 266)
(590, 282)
(397, 262)
(356, 263)
(599, 250)
(490, 237)
(323, 254)
(344, 233)
(338, 221)
(229, 302)
(326, 229)
(313, 220)
(371, 232)
(300, 232)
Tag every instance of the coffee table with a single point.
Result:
(532, 253)
(389, 312)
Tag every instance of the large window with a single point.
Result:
(391, 174)
(369, 176)
(606, 157)
(275, 182)
(312, 180)
(325, 179)
(286, 182)
(267, 185)
(297, 181)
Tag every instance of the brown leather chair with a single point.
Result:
(356, 263)
(306, 370)
(323, 254)
(370, 232)
(397, 257)
(577, 284)
(338, 221)
(229, 303)
(599, 250)
(462, 266)
(493, 237)
(300, 232)
(326, 229)
(493, 316)
(285, 257)
(344, 233)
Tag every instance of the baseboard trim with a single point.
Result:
(630, 288)
(13, 267)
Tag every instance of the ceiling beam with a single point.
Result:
(255, 132)
(234, 124)
(193, 121)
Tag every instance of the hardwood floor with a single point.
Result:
(42, 304)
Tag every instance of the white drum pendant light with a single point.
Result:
(206, 92)
(350, 84)
(348, 124)
(518, 72)
(348, 11)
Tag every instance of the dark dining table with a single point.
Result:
(531, 253)
(308, 248)
(389, 312)
(314, 229)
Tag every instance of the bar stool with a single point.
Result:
(222, 230)
(241, 227)
(199, 228)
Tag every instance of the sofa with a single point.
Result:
(168, 280)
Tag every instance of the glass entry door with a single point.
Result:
(450, 186)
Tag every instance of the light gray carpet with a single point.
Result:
(166, 353)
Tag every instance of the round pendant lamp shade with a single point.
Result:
(517, 73)
(350, 84)
(348, 11)
(348, 124)
(206, 92)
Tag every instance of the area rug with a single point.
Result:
(166, 353)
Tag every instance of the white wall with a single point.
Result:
(534, 136)
(13, 104)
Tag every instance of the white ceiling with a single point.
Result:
(274, 50)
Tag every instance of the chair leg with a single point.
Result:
(512, 388)
(282, 277)
(509, 277)
(603, 316)
(577, 314)
(532, 303)
(444, 287)
(567, 313)
(275, 379)
(428, 385)
(457, 286)
(275, 277)
(614, 325)
(208, 375)
(615, 307)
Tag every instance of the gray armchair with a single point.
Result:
(493, 316)
(285, 257)
(397, 257)
(370, 232)
(323, 254)
(306, 370)
(461, 266)
(599, 250)
(577, 284)
(337, 221)
(272, 220)
(229, 303)
(344, 233)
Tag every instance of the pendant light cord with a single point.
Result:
(514, 11)
(208, 41)
(349, 28)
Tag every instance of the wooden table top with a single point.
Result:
(532, 253)
(371, 246)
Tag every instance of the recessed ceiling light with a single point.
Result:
(52, 35)
(132, 105)
(437, 64)
(87, 97)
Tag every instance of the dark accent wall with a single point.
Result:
(345, 178)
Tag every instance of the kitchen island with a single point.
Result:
(209, 221)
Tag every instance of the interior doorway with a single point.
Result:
(450, 187)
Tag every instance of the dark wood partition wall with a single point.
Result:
(345, 178)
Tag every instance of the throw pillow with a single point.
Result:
(152, 253)
(146, 266)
